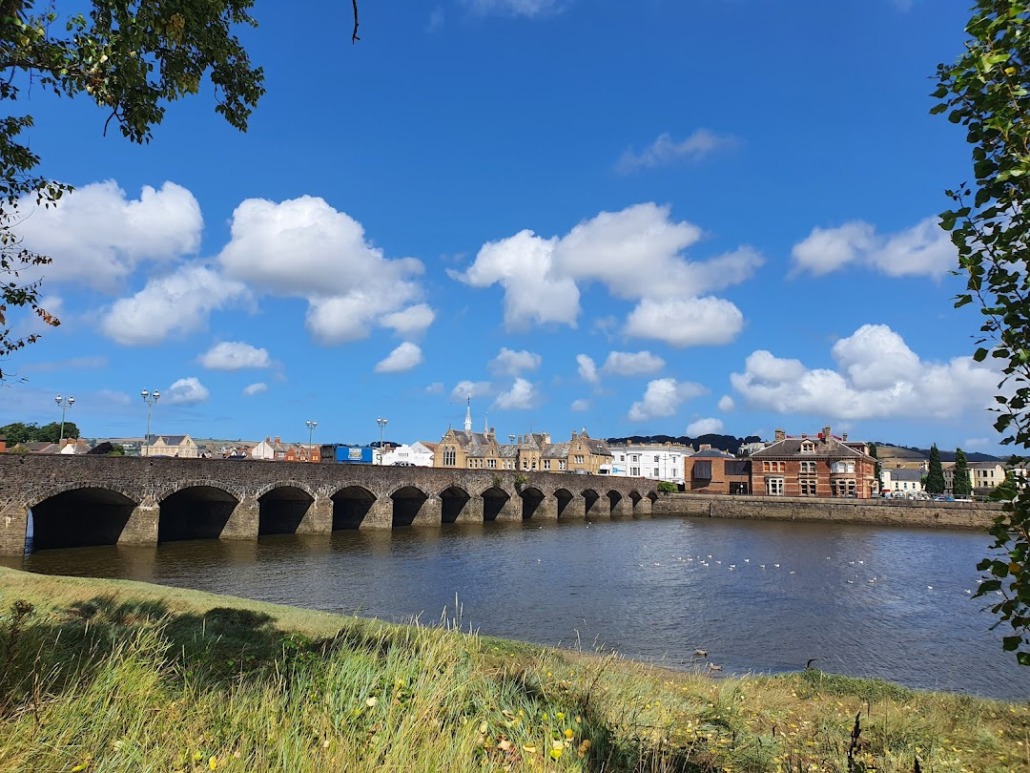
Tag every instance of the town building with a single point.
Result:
(181, 446)
(654, 461)
(275, 450)
(418, 454)
(903, 482)
(819, 465)
(711, 471)
(535, 452)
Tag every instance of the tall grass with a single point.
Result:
(105, 676)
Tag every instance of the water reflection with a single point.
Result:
(765, 597)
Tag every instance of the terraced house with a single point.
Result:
(820, 465)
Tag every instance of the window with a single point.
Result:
(656, 460)
(561, 464)
(634, 457)
(579, 459)
(491, 463)
(808, 467)
(807, 487)
(843, 488)
(656, 472)
(774, 487)
(449, 457)
(845, 467)
(635, 471)
(622, 457)
(547, 464)
(807, 447)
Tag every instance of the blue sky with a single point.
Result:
(656, 218)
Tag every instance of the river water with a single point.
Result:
(760, 597)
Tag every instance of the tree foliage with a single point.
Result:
(961, 487)
(32, 433)
(935, 475)
(133, 58)
(986, 91)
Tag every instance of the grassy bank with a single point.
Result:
(121, 676)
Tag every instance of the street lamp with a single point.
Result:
(382, 426)
(310, 424)
(65, 403)
(149, 398)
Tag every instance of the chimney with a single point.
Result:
(779, 435)
(844, 437)
(826, 433)
(705, 447)
(546, 436)
(277, 441)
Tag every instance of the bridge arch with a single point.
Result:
(81, 515)
(563, 498)
(495, 503)
(197, 511)
(592, 503)
(282, 508)
(454, 504)
(532, 501)
(351, 505)
(409, 502)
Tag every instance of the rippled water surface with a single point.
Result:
(758, 596)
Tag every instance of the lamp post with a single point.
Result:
(149, 398)
(310, 424)
(65, 403)
(382, 426)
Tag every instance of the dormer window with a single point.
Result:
(807, 447)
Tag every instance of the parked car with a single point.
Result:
(943, 498)
(403, 464)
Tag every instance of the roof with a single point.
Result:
(824, 447)
(905, 474)
(712, 453)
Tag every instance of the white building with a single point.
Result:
(417, 455)
(654, 461)
(901, 482)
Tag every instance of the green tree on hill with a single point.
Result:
(961, 488)
(935, 475)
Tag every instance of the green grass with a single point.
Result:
(121, 676)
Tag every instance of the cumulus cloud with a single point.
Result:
(662, 398)
(411, 321)
(726, 403)
(303, 247)
(587, 369)
(686, 321)
(665, 151)
(466, 389)
(922, 250)
(877, 376)
(524, 8)
(97, 236)
(404, 357)
(522, 396)
(234, 355)
(186, 391)
(255, 389)
(580, 405)
(704, 427)
(633, 363)
(512, 363)
(636, 254)
(171, 305)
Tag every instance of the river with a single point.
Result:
(761, 597)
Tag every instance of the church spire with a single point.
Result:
(468, 413)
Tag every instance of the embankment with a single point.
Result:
(876, 512)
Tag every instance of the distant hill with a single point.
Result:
(888, 451)
(722, 442)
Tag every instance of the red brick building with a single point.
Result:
(813, 466)
(711, 471)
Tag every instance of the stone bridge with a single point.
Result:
(95, 500)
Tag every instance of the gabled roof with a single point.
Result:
(712, 453)
(825, 447)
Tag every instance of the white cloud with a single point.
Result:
(234, 355)
(175, 304)
(633, 363)
(686, 321)
(578, 406)
(411, 321)
(466, 389)
(186, 391)
(97, 237)
(587, 369)
(704, 427)
(436, 388)
(512, 363)
(662, 398)
(877, 376)
(726, 403)
(636, 253)
(255, 389)
(404, 357)
(665, 150)
(923, 250)
(303, 247)
(522, 396)
(525, 8)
